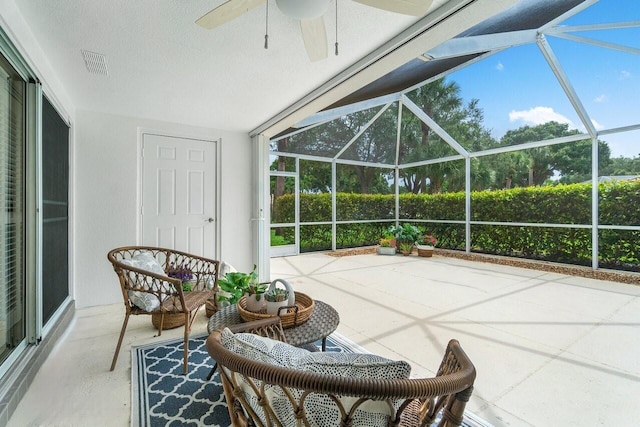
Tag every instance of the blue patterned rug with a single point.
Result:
(163, 396)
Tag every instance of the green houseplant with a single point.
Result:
(276, 298)
(235, 284)
(406, 248)
(405, 233)
(255, 296)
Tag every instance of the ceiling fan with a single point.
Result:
(309, 12)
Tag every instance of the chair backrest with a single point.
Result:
(145, 288)
(415, 402)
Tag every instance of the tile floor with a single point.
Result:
(550, 349)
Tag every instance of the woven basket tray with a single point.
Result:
(290, 319)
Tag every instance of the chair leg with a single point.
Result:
(161, 324)
(187, 330)
(213, 371)
(115, 355)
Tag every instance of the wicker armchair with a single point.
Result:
(164, 294)
(410, 402)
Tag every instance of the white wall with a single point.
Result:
(22, 37)
(104, 178)
(106, 197)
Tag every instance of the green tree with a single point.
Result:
(540, 161)
(441, 101)
(622, 166)
(571, 160)
(373, 145)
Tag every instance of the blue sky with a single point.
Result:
(516, 87)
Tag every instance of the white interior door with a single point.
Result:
(179, 194)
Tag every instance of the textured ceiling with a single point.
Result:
(164, 67)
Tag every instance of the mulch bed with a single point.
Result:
(573, 270)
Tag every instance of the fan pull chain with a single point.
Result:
(266, 29)
(336, 27)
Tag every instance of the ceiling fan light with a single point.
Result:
(303, 9)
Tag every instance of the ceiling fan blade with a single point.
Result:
(226, 12)
(315, 38)
(405, 7)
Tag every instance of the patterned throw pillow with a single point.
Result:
(264, 349)
(144, 261)
(320, 409)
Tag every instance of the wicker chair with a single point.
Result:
(166, 292)
(420, 402)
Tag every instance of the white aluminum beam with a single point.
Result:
(434, 126)
(592, 27)
(362, 130)
(599, 43)
(529, 145)
(431, 161)
(595, 216)
(619, 130)
(532, 224)
(334, 113)
(334, 204)
(484, 43)
(467, 204)
(548, 54)
(297, 131)
(579, 8)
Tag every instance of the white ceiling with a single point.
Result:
(163, 66)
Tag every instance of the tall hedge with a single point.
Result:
(619, 204)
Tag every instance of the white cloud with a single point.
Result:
(539, 115)
(600, 98)
(500, 66)
(624, 74)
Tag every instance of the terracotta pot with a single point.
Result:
(425, 250)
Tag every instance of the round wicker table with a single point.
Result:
(322, 322)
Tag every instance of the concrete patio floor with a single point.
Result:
(550, 349)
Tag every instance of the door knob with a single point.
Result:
(209, 220)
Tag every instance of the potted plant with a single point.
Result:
(276, 298)
(426, 244)
(405, 233)
(182, 272)
(235, 284)
(406, 248)
(255, 296)
(387, 247)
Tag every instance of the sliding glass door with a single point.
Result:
(12, 209)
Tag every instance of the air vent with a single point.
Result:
(96, 62)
